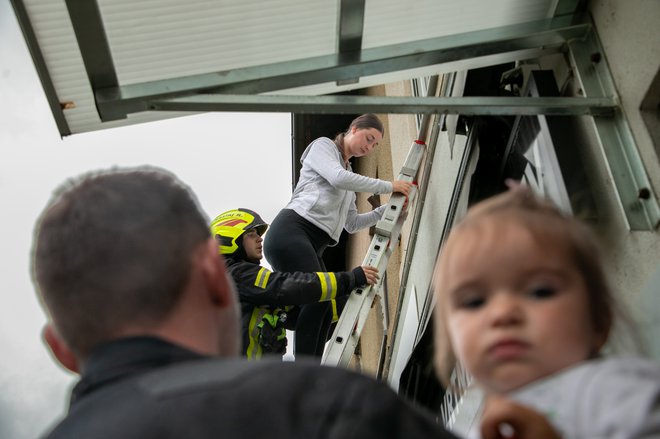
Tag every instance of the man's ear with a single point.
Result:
(219, 284)
(60, 350)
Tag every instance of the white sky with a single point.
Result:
(229, 159)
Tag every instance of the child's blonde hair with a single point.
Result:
(546, 223)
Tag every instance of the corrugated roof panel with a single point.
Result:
(53, 30)
(394, 21)
(198, 36)
(51, 19)
(162, 39)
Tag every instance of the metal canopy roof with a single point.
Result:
(108, 63)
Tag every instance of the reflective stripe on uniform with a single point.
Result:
(254, 348)
(262, 278)
(335, 314)
(328, 286)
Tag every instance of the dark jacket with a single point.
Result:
(148, 388)
(268, 300)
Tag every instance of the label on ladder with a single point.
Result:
(349, 327)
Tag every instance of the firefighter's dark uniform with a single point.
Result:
(268, 300)
(143, 388)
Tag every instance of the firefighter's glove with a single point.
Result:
(367, 275)
(359, 278)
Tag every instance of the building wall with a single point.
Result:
(629, 33)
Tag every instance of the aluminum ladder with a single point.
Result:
(346, 335)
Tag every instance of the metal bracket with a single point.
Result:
(635, 194)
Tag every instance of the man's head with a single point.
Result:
(238, 233)
(116, 251)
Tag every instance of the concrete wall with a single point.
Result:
(630, 34)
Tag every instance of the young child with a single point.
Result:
(523, 304)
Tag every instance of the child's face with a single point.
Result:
(516, 309)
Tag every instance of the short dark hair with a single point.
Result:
(113, 248)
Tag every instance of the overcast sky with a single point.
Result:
(229, 159)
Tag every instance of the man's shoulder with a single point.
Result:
(209, 373)
(304, 386)
(211, 397)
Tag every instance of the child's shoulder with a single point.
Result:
(621, 367)
(621, 394)
(605, 372)
(607, 394)
(605, 380)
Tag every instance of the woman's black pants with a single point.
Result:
(294, 244)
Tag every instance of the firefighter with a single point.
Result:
(269, 300)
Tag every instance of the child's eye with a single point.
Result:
(471, 302)
(542, 291)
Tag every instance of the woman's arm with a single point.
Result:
(357, 221)
(325, 159)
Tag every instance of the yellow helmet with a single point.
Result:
(229, 226)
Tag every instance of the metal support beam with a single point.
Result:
(351, 28)
(93, 43)
(116, 102)
(635, 194)
(341, 104)
(565, 7)
(41, 67)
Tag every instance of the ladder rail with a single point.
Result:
(346, 335)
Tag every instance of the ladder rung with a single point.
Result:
(352, 319)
